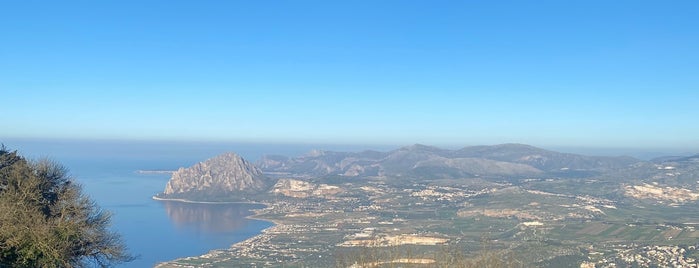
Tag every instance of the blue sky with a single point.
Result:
(548, 73)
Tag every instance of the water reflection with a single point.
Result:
(209, 218)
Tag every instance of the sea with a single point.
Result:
(157, 231)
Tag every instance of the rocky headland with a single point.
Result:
(226, 177)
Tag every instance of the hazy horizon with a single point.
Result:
(48, 147)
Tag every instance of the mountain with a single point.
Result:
(544, 159)
(230, 177)
(225, 176)
(663, 159)
(421, 161)
(321, 163)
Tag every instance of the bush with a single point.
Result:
(47, 221)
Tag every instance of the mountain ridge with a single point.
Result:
(509, 159)
(230, 177)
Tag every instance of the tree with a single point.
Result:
(47, 221)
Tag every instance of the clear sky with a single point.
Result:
(548, 73)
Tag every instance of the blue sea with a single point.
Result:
(154, 230)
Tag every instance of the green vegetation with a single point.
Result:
(47, 221)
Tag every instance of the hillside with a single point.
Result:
(419, 161)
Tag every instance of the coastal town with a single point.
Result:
(325, 225)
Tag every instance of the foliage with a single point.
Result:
(47, 221)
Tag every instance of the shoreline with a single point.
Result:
(254, 216)
(207, 202)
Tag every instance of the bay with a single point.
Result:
(155, 230)
(165, 230)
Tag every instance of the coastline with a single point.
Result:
(207, 202)
(254, 216)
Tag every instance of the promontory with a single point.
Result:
(226, 177)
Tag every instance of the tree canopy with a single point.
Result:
(47, 221)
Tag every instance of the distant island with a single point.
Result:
(540, 207)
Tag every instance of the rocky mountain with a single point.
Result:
(320, 163)
(224, 175)
(427, 161)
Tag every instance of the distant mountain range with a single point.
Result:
(421, 161)
(693, 158)
(229, 176)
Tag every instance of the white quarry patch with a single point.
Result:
(396, 261)
(385, 241)
(655, 192)
(301, 189)
(593, 209)
(533, 223)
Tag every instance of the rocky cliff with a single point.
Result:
(226, 174)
